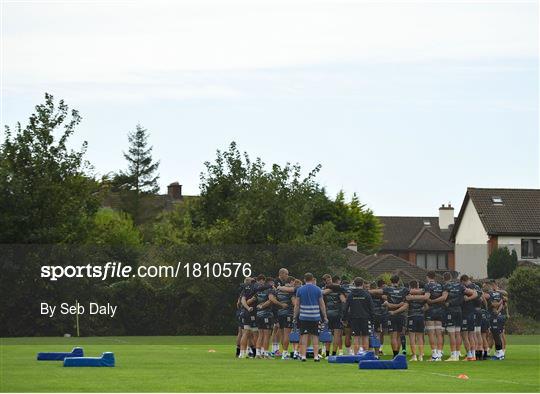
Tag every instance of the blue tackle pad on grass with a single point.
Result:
(351, 359)
(399, 362)
(374, 342)
(294, 336)
(60, 356)
(106, 360)
(325, 335)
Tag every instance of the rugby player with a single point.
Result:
(265, 318)
(239, 309)
(453, 293)
(503, 314)
(397, 306)
(249, 318)
(334, 298)
(434, 316)
(358, 311)
(345, 284)
(308, 308)
(285, 315)
(494, 300)
(485, 324)
(415, 321)
(380, 314)
(283, 273)
(478, 303)
(468, 325)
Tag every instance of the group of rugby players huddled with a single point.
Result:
(472, 314)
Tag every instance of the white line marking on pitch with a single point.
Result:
(490, 380)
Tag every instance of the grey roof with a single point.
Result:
(518, 214)
(352, 256)
(377, 265)
(411, 233)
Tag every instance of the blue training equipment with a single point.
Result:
(294, 336)
(60, 356)
(374, 342)
(399, 362)
(352, 359)
(106, 360)
(325, 336)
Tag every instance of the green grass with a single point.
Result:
(173, 364)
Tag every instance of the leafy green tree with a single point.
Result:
(352, 221)
(113, 228)
(524, 291)
(46, 194)
(242, 202)
(140, 179)
(501, 263)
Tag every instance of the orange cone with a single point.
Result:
(462, 376)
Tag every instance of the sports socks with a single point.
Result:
(403, 339)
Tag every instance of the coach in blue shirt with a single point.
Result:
(308, 307)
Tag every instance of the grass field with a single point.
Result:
(172, 364)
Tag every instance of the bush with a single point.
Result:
(501, 263)
(524, 290)
(522, 325)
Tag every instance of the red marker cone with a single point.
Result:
(462, 376)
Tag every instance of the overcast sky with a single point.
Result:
(405, 103)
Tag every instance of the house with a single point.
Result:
(492, 218)
(378, 264)
(151, 204)
(423, 241)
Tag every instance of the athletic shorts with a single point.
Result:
(276, 316)
(334, 323)
(453, 318)
(249, 320)
(435, 314)
(416, 324)
(345, 324)
(477, 319)
(359, 327)
(265, 322)
(484, 326)
(502, 322)
(468, 322)
(309, 327)
(239, 319)
(380, 323)
(285, 321)
(496, 322)
(396, 323)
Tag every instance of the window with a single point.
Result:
(427, 222)
(530, 248)
(442, 261)
(432, 261)
(497, 200)
(421, 260)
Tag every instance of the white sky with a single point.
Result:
(405, 103)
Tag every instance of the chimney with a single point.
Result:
(352, 246)
(446, 217)
(175, 190)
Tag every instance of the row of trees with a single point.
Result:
(49, 195)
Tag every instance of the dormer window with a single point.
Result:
(497, 200)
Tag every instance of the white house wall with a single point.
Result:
(512, 243)
(471, 244)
